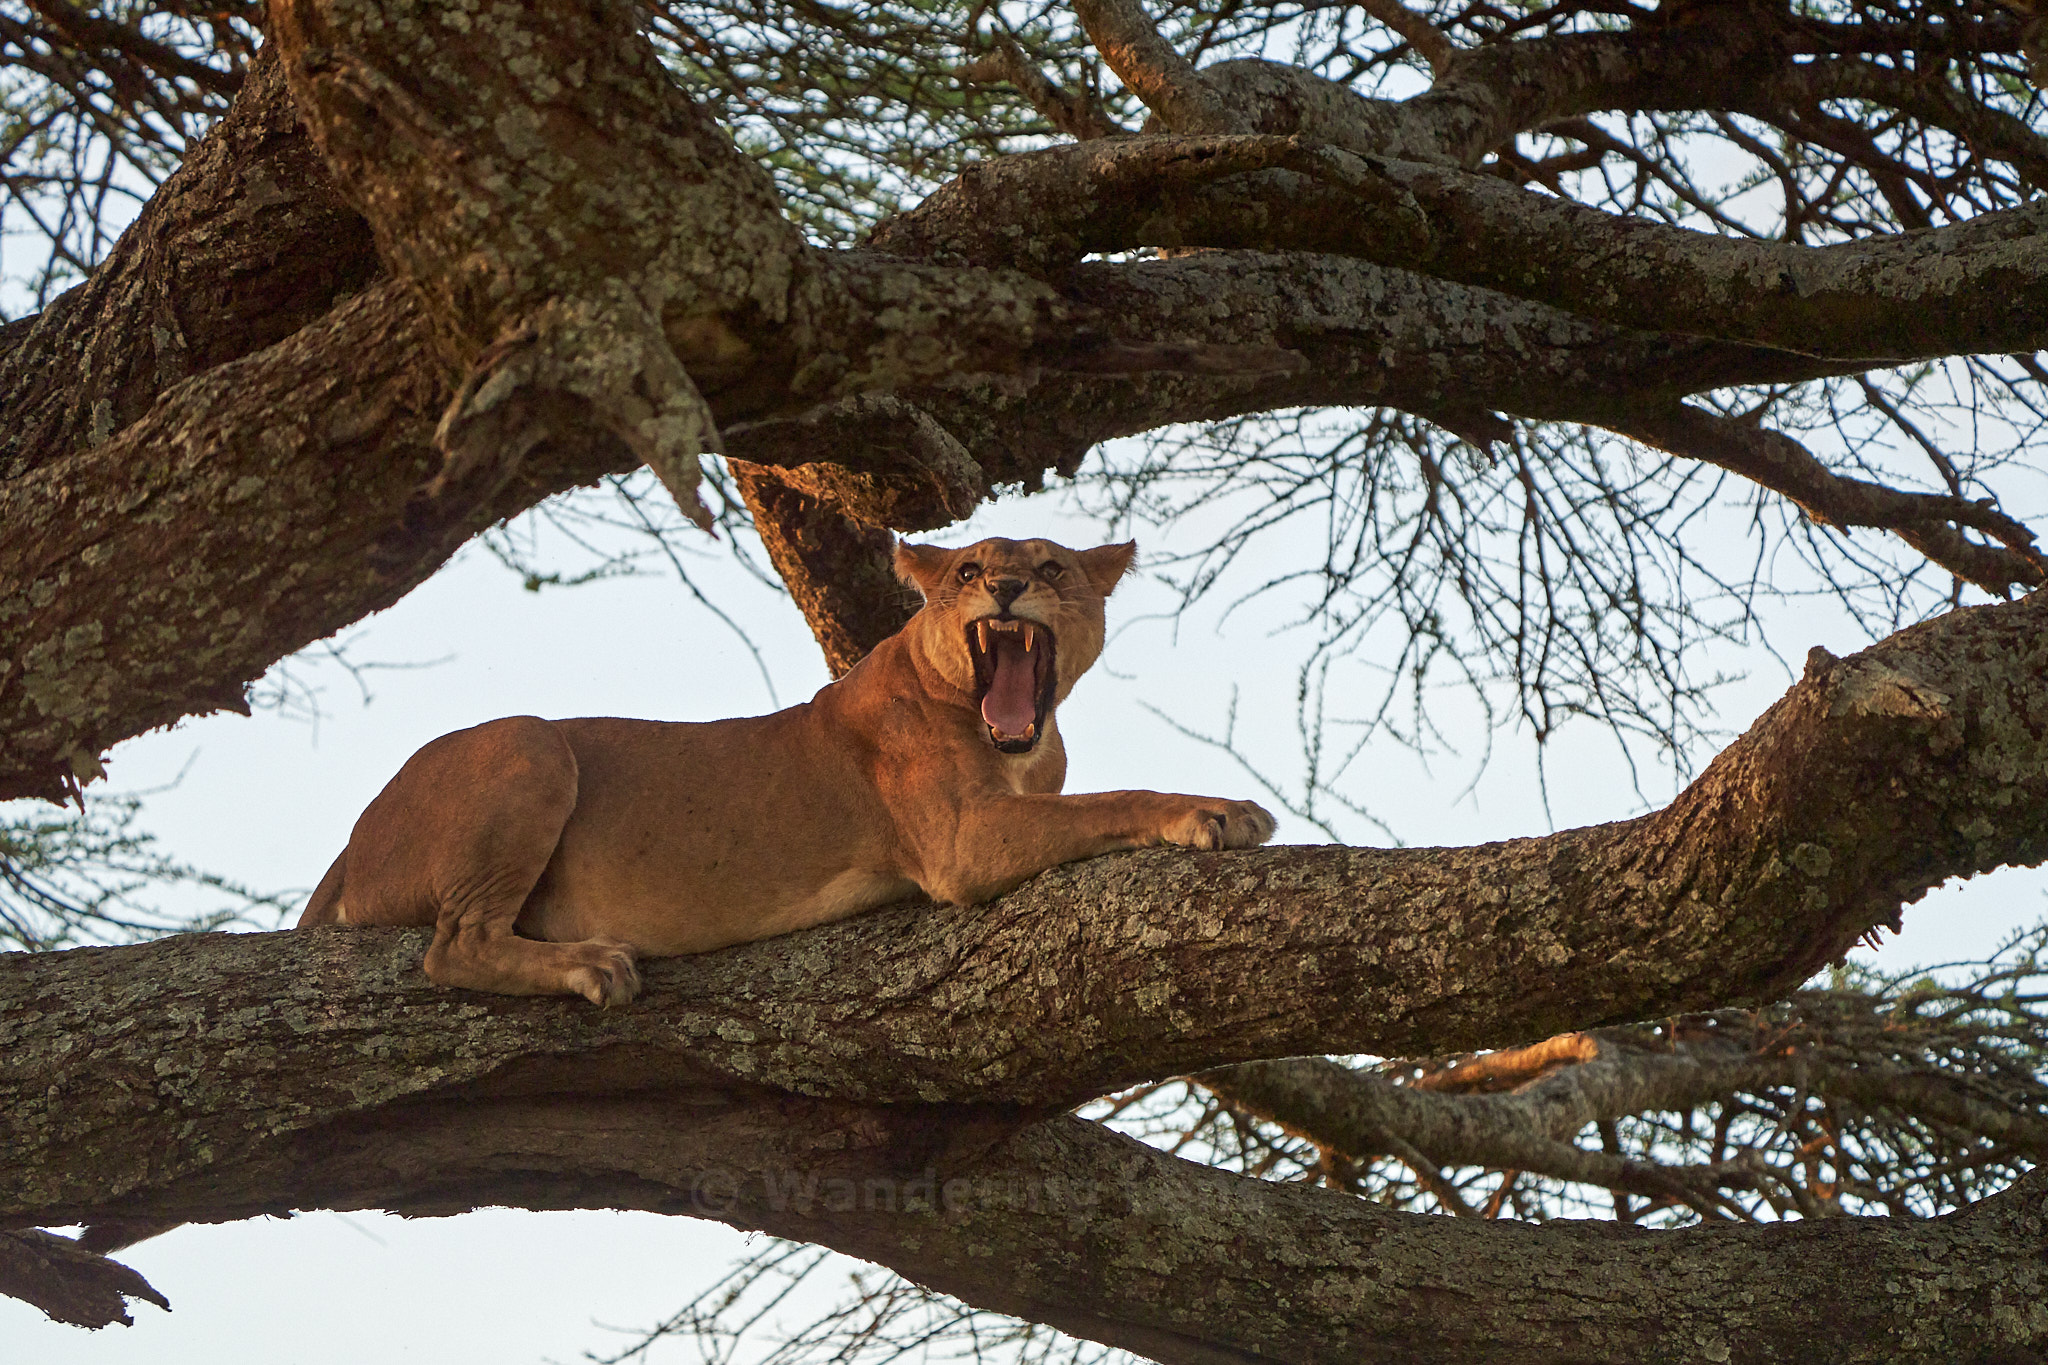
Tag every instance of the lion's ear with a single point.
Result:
(1105, 564)
(921, 566)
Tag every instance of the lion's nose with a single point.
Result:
(1006, 591)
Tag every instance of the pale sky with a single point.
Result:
(270, 801)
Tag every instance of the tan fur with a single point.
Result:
(599, 839)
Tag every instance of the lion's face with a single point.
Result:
(1013, 623)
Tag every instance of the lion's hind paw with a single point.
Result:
(608, 975)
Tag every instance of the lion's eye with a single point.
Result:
(1050, 571)
(969, 572)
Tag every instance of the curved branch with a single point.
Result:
(1931, 523)
(90, 31)
(1075, 114)
(1924, 95)
(1977, 287)
(1426, 38)
(1111, 1240)
(1361, 1115)
(1491, 92)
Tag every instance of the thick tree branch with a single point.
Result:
(840, 571)
(1494, 91)
(1979, 287)
(248, 242)
(1373, 336)
(1112, 1240)
(104, 643)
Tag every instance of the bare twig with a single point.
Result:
(1422, 35)
(1073, 113)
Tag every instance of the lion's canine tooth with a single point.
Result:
(981, 631)
(1029, 636)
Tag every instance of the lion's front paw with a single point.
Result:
(1221, 824)
(607, 975)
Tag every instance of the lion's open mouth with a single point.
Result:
(1013, 679)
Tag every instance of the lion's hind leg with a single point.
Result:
(474, 946)
(462, 835)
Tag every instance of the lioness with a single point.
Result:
(547, 854)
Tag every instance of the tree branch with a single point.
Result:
(1361, 1115)
(1931, 523)
(90, 31)
(1112, 1240)
(1157, 74)
(1076, 115)
(840, 571)
(1423, 36)
(1977, 287)
(1923, 94)
(1495, 90)
(246, 243)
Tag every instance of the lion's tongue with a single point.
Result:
(1011, 704)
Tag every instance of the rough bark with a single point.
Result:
(249, 241)
(1754, 56)
(256, 508)
(583, 274)
(1060, 1221)
(840, 571)
(1981, 286)
(68, 1283)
